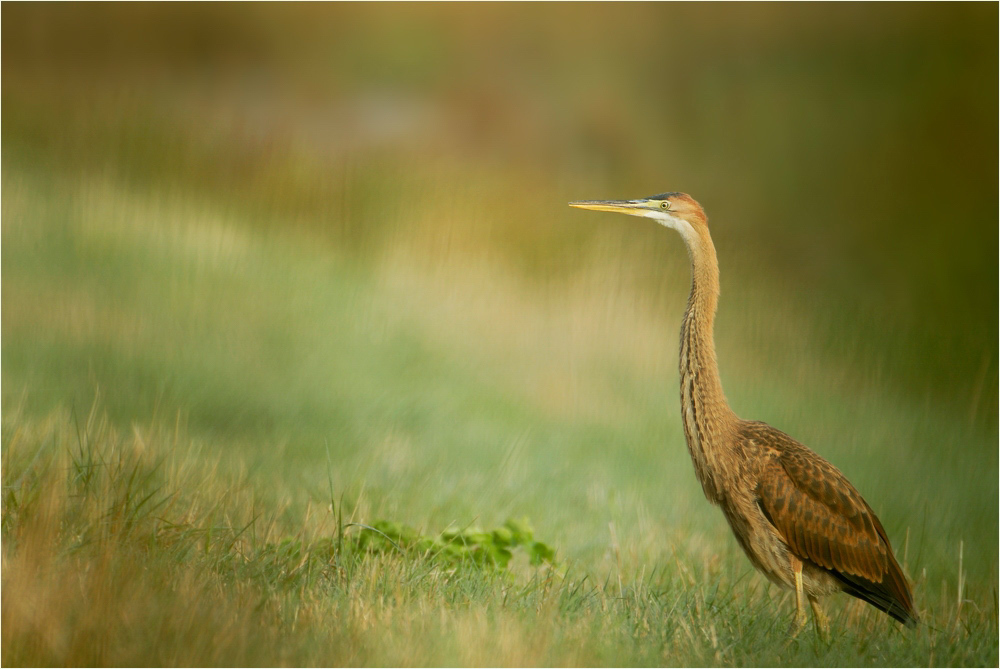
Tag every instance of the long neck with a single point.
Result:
(708, 420)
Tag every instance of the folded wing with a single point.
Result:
(823, 518)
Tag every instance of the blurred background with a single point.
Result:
(344, 227)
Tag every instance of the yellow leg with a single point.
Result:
(800, 611)
(820, 618)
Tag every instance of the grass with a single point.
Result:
(128, 549)
(197, 413)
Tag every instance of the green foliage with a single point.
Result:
(458, 546)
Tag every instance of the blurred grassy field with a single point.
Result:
(272, 257)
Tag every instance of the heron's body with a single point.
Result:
(795, 515)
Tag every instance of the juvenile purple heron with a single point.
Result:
(796, 516)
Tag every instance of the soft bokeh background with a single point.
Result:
(340, 231)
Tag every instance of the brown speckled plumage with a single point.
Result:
(799, 520)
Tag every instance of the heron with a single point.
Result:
(796, 516)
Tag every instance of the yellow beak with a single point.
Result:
(631, 207)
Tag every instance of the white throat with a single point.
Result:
(668, 220)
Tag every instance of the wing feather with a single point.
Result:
(825, 520)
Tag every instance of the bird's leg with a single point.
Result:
(800, 611)
(820, 618)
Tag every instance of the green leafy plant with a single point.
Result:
(470, 545)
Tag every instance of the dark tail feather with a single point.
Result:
(907, 617)
(892, 595)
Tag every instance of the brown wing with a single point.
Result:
(824, 519)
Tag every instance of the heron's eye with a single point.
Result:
(665, 205)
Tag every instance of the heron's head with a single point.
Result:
(674, 210)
